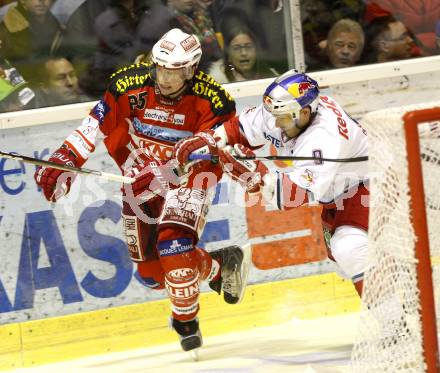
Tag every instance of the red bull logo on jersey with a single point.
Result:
(300, 89)
(307, 178)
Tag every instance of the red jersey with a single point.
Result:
(133, 115)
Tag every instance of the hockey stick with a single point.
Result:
(282, 158)
(78, 170)
(299, 158)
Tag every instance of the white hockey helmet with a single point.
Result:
(291, 92)
(176, 50)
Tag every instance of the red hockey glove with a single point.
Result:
(248, 173)
(201, 143)
(153, 180)
(56, 183)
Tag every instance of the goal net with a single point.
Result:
(401, 297)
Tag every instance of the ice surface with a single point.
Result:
(307, 346)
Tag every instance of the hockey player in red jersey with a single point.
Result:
(299, 121)
(144, 112)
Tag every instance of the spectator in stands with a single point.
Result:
(14, 91)
(390, 40)
(420, 16)
(317, 18)
(116, 31)
(266, 21)
(80, 40)
(28, 32)
(214, 8)
(4, 6)
(344, 44)
(58, 83)
(64, 9)
(241, 58)
(155, 22)
(192, 18)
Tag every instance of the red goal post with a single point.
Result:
(401, 298)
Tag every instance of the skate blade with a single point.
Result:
(245, 265)
(194, 354)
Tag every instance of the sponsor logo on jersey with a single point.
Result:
(163, 116)
(276, 142)
(184, 291)
(342, 124)
(80, 144)
(181, 273)
(160, 178)
(307, 178)
(160, 133)
(212, 94)
(209, 88)
(185, 310)
(90, 129)
(124, 83)
(100, 110)
(173, 247)
(159, 150)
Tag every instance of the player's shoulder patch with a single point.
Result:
(130, 77)
(207, 87)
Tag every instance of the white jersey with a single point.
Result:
(332, 134)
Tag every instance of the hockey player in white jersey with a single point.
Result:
(298, 121)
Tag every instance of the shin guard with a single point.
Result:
(182, 277)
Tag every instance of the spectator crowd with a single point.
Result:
(55, 52)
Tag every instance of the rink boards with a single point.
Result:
(67, 286)
(142, 325)
(71, 257)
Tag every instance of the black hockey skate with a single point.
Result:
(234, 265)
(189, 333)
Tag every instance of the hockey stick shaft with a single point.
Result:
(283, 158)
(78, 170)
(299, 158)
